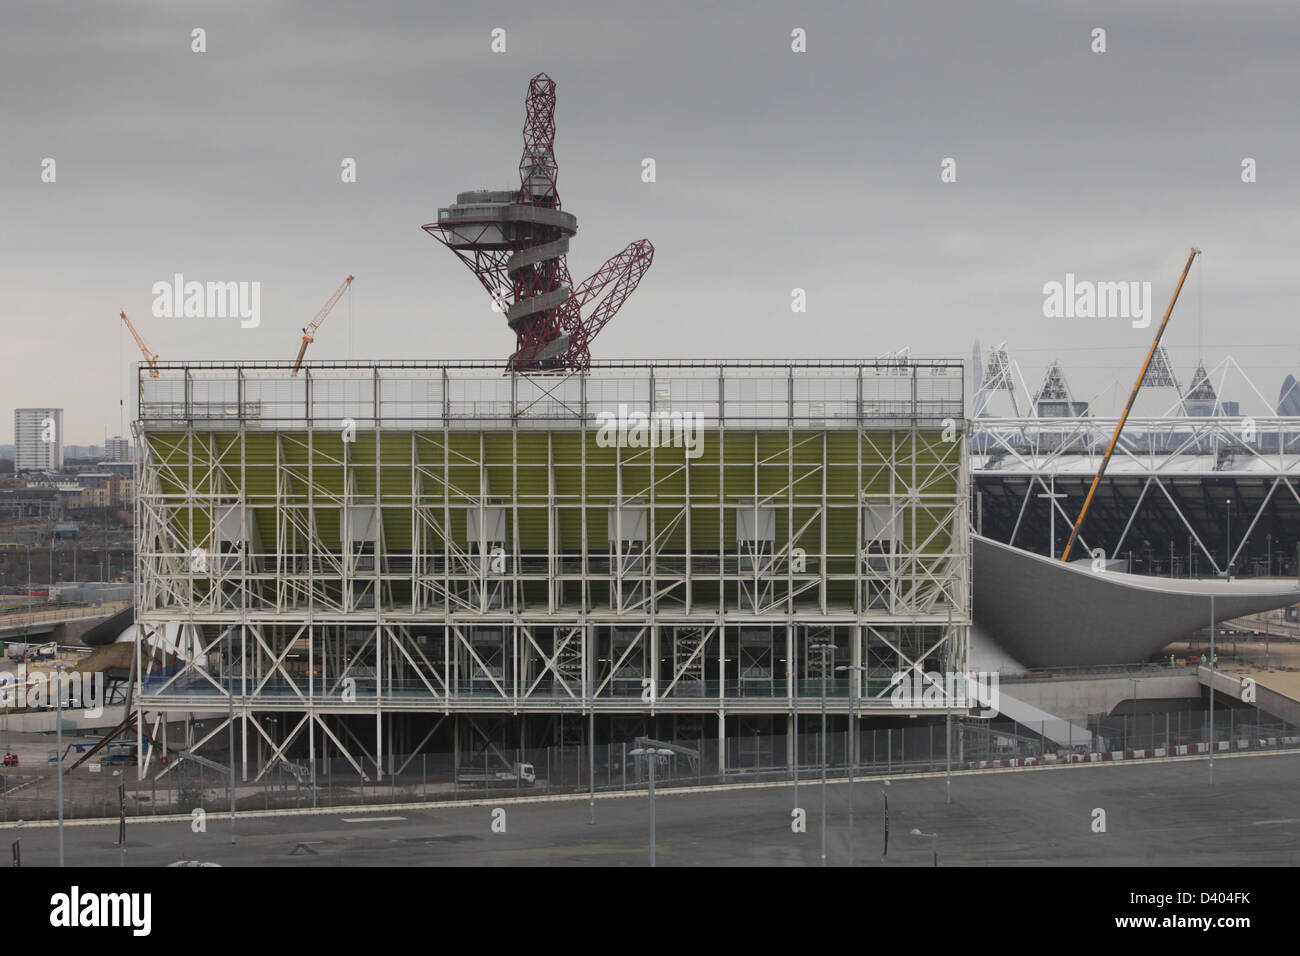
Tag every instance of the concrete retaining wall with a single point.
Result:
(1075, 700)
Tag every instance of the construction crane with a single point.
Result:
(151, 358)
(1083, 512)
(309, 333)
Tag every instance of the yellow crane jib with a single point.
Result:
(309, 333)
(151, 358)
(1155, 343)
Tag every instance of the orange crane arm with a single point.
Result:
(150, 357)
(309, 333)
(1083, 512)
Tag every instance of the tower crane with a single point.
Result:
(151, 358)
(309, 333)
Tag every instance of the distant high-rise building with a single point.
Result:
(1288, 403)
(38, 439)
(117, 449)
(1201, 399)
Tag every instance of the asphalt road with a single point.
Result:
(1156, 813)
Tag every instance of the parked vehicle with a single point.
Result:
(122, 755)
(519, 773)
(53, 755)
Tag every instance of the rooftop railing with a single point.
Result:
(763, 394)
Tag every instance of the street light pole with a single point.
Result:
(853, 756)
(823, 647)
(853, 739)
(1227, 548)
(794, 665)
(591, 725)
(947, 721)
(652, 810)
(1135, 705)
(230, 697)
(652, 754)
(58, 764)
(1212, 742)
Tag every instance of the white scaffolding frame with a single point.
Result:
(352, 587)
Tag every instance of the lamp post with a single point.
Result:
(1268, 541)
(591, 726)
(853, 740)
(823, 647)
(230, 697)
(652, 754)
(947, 720)
(1212, 742)
(794, 644)
(58, 764)
(1258, 717)
(1135, 681)
(1227, 548)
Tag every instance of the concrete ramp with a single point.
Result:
(1274, 693)
(1061, 732)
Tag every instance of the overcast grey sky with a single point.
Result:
(775, 170)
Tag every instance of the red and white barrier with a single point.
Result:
(1180, 750)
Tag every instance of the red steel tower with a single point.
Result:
(516, 242)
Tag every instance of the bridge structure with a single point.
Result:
(63, 625)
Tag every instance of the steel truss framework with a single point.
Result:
(477, 565)
(1187, 495)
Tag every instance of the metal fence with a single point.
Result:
(29, 793)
